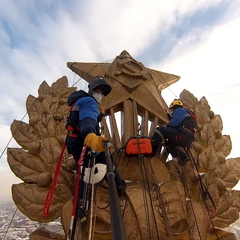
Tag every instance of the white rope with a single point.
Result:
(91, 205)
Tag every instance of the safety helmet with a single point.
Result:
(95, 174)
(101, 84)
(176, 102)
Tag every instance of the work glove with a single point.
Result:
(95, 142)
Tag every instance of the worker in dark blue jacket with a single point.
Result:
(83, 124)
(179, 132)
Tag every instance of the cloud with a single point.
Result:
(211, 64)
(7, 179)
(197, 40)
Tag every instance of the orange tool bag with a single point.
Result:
(136, 146)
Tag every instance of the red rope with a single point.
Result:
(80, 161)
(49, 197)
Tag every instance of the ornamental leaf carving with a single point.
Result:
(26, 166)
(41, 143)
(34, 109)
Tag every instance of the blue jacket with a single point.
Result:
(88, 107)
(88, 115)
(178, 115)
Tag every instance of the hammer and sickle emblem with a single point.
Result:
(132, 69)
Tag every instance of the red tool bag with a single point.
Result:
(136, 146)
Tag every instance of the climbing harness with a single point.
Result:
(11, 138)
(84, 191)
(160, 198)
(48, 200)
(88, 175)
(135, 147)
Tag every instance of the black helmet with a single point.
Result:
(101, 84)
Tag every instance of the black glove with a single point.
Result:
(100, 116)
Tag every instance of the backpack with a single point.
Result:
(73, 97)
(73, 116)
(190, 121)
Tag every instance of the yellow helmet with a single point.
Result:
(176, 102)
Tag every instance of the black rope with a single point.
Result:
(124, 206)
(151, 201)
(187, 191)
(202, 185)
(107, 205)
(161, 199)
(141, 159)
(141, 166)
(203, 190)
(136, 217)
(73, 84)
(11, 138)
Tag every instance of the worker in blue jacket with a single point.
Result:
(83, 124)
(179, 132)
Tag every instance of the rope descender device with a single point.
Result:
(136, 146)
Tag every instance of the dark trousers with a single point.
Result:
(173, 138)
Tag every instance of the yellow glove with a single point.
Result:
(101, 110)
(95, 142)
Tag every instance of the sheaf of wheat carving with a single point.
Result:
(41, 141)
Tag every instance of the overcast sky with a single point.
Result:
(197, 40)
